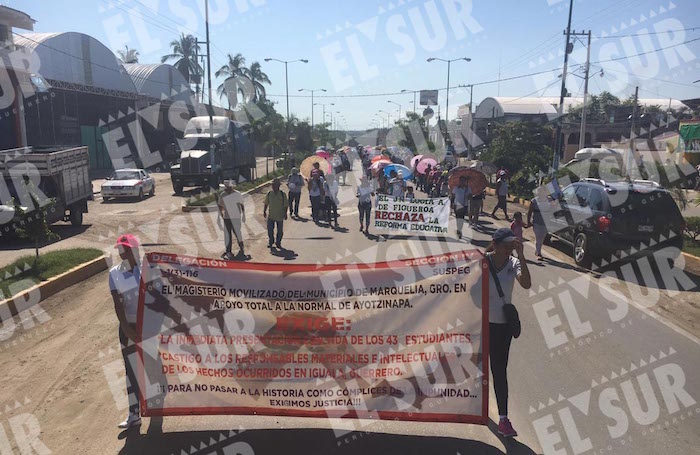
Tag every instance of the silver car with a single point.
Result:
(128, 183)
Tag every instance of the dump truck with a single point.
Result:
(234, 156)
(60, 173)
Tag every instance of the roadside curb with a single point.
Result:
(24, 300)
(212, 207)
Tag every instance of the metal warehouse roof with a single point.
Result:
(63, 57)
(158, 80)
(495, 107)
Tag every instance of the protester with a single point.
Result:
(345, 164)
(507, 269)
(536, 220)
(397, 184)
(364, 202)
(232, 211)
(124, 279)
(330, 188)
(502, 194)
(277, 202)
(461, 195)
(295, 183)
(409, 193)
(316, 193)
(475, 207)
(427, 179)
(517, 225)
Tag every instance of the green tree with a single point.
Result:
(301, 131)
(233, 68)
(32, 223)
(259, 79)
(183, 51)
(522, 148)
(409, 126)
(128, 55)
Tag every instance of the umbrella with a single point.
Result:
(323, 154)
(378, 165)
(407, 173)
(415, 160)
(381, 158)
(422, 165)
(477, 180)
(308, 164)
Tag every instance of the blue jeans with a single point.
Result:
(271, 231)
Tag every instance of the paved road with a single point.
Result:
(605, 365)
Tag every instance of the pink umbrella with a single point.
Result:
(323, 154)
(424, 163)
(377, 165)
(415, 160)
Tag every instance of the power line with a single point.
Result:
(647, 52)
(649, 33)
(605, 68)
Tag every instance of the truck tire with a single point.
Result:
(76, 216)
(177, 189)
(213, 182)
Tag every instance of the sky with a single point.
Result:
(365, 52)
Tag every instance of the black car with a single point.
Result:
(600, 219)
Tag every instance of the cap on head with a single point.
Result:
(127, 241)
(503, 235)
(295, 171)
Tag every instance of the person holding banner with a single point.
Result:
(504, 271)
(461, 197)
(124, 279)
(277, 202)
(365, 192)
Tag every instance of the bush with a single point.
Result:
(692, 227)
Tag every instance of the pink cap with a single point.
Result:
(127, 240)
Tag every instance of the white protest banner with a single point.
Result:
(412, 215)
(403, 340)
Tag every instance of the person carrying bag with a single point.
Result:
(504, 321)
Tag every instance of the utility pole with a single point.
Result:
(582, 138)
(631, 153)
(197, 58)
(211, 108)
(558, 142)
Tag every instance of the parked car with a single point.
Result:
(599, 219)
(128, 183)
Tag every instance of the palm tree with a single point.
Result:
(235, 67)
(258, 78)
(128, 55)
(184, 50)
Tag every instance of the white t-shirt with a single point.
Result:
(506, 276)
(503, 189)
(126, 283)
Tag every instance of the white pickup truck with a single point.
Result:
(62, 174)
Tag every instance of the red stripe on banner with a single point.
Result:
(349, 414)
(166, 258)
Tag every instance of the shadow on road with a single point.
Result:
(287, 255)
(64, 231)
(309, 441)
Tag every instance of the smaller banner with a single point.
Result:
(412, 215)
(428, 97)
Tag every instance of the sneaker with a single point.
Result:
(494, 217)
(134, 420)
(506, 429)
(459, 234)
(278, 245)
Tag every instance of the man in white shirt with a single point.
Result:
(232, 211)
(461, 197)
(502, 194)
(294, 182)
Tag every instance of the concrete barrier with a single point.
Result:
(24, 300)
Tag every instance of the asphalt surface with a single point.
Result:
(607, 363)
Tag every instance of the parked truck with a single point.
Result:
(234, 156)
(58, 173)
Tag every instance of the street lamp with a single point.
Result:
(399, 105)
(466, 59)
(312, 104)
(286, 83)
(414, 98)
(388, 118)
